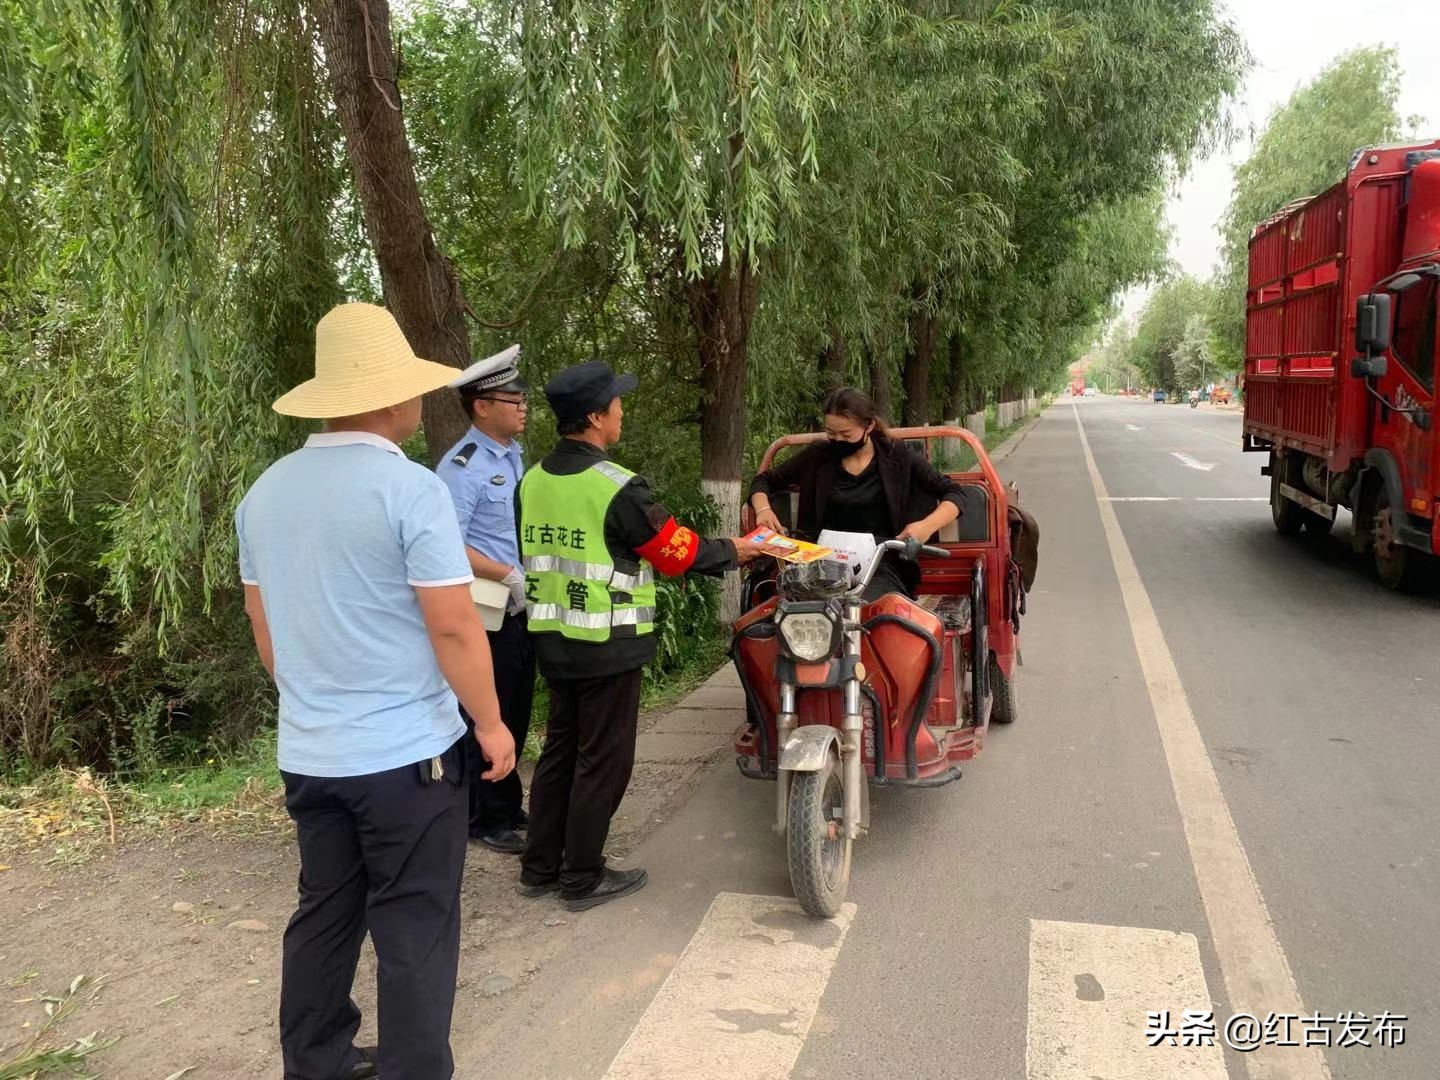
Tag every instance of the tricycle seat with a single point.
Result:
(973, 526)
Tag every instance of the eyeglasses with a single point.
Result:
(521, 402)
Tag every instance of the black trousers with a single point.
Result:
(383, 853)
(582, 775)
(496, 805)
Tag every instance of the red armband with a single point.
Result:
(672, 550)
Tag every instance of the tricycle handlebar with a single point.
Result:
(910, 549)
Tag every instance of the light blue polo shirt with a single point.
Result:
(338, 536)
(483, 490)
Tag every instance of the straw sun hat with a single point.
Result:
(362, 363)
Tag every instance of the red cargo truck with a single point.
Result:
(1077, 387)
(1340, 358)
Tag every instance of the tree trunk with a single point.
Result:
(880, 384)
(958, 385)
(421, 287)
(722, 307)
(924, 328)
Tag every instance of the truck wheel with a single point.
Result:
(1002, 691)
(818, 850)
(1288, 516)
(1396, 566)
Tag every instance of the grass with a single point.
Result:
(39, 1056)
(76, 813)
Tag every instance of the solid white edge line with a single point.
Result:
(1258, 979)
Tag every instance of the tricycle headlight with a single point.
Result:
(810, 636)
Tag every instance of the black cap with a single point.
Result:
(582, 389)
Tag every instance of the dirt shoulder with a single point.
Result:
(183, 929)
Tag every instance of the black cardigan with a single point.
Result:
(913, 487)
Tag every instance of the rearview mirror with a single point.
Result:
(1370, 367)
(1372, 323)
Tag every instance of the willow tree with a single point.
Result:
(695, 129)
(1159, 348)
(420, 285)
(1133, 93)
(170, 238)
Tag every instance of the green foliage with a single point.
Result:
(1171, 344)
(1194, 364)
(1305, 147)
(170, 250)
(176, 212)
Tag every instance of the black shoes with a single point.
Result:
(543, 889)
(365, 1068)
(612, 885)
(506, 841)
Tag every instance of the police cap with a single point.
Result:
(498, 372)
(582, 389)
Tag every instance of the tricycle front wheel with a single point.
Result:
(818, 849)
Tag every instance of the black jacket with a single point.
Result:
(913, 488)
(633, 521)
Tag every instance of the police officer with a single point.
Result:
(483, 472)
(592, 535)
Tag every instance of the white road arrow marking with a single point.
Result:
(1190, 463)
(1132, 427)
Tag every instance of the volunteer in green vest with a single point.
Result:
(592, 537)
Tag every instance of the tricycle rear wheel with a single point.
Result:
(1002, 695)
(816, 844)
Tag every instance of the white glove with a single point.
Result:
(516, 581)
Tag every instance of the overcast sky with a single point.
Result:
(1291, 41)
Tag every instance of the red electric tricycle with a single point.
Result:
(840, 692)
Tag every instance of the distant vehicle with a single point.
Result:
(1158, 395)
(1077, 387)
(1340, 359)
(1220, 395)
(1090, 391)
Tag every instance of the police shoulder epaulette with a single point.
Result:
(463, 457)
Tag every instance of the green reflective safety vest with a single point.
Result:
(572, 584)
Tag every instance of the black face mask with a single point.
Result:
(842, 449)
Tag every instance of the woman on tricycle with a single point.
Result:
(888, 672)
(859, 480)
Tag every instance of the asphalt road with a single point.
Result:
(1021, 922)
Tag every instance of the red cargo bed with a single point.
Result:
(1308, 264)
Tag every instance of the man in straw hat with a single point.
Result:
(482, 471)
(357, 587)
